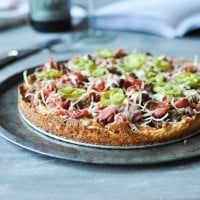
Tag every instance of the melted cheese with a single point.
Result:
(133, 102)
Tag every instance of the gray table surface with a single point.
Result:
(27, 175)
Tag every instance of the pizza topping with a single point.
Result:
(81, 63)
(76, 78)
(119, 53)
(48, 88)
(55, 102)
(119, 117)
(182, 103)
(106, 114)
(52, 64)
(161, 64)
(155, 77)
(137, 117)
(98, 85)
(190, 68)
(168, 90)
(78, 114)
(71, 93)
(189, 79)
(131, 82)
(132, 62)
(160, 109)
(105, 53)
(49, 74)
(25, 78)
(96, 71)
(113, 97)
(115, 86)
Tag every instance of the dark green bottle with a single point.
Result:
(50, 15)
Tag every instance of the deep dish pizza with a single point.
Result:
(114, 98)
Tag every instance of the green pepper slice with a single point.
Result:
(132, 62)
(96, 71)
(161, 64)
(49, 74)
(113, 96)
(82, 64)
(105, 53)
(168, 90)
(189, 79)
(155, 77)
(71, 92)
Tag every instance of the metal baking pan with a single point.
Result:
(15, 128)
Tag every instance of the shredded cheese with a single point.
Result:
(44, 93)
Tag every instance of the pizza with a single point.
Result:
(114, 98)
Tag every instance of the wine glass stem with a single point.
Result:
(90, 15)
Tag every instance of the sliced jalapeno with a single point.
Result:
(82, 64)
(161, 64)
(113, 96)
(133, 62)
(71, 92)
(105, 53)
(189, 79)
(168, 90)
(96, 71)
(50, 74)
(155, 77)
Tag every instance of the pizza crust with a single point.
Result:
(112, 135)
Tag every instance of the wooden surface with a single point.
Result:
(26, 175)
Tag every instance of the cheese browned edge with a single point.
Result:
(112, 135)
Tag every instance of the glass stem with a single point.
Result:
(90, 15)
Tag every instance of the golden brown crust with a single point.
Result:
(113, 135)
